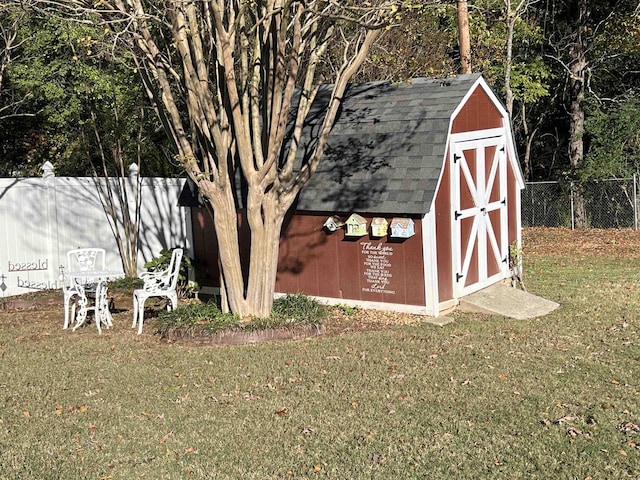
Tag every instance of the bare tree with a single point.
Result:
(233, 82)
(119, 194)
(12, 17)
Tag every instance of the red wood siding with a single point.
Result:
(205, 248)
(478, 113)
(332, 265)
(444, 253)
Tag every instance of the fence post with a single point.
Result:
(635, 202)
(573, 222)
(51, 201)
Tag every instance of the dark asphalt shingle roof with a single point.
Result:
(386, 149)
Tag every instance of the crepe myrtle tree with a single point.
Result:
(233, 82)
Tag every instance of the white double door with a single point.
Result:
(479, 209)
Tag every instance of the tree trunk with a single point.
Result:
(577, 80)
(508, 62)
(265, 247)
(529, 137)
(225, 222)
(464, 37)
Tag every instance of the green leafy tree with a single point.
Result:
(613, 140)
(66, 74)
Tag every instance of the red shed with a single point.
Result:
(435, 158)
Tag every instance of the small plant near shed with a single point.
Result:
(299, 308)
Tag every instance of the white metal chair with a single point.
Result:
(79, 260)
(157, 284)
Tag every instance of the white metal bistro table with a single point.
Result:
(99, 279)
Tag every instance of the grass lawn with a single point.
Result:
(483, 397)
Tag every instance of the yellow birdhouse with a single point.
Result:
(379, 227)
(356, 225)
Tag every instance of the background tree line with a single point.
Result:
(68, 95)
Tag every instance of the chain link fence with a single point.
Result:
(607, 204)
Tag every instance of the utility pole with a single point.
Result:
(463, 37)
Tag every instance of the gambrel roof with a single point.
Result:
(386, 149)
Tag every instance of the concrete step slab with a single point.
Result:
(501, 299)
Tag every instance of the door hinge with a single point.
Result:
(459, 276)
(456, 157)
(456, 214)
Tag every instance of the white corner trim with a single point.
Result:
(430, 262)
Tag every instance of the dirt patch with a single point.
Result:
(20, 304)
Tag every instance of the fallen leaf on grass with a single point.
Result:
(563, 420)
(282, 412)
(629, 427)
(26, 413)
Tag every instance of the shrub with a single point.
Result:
(299, 307)
(127, 283)
(196, 317)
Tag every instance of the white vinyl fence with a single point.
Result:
(42, 218)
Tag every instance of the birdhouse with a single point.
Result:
(333, 223)
(402, 228)
(356, 225)
(379, 227)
